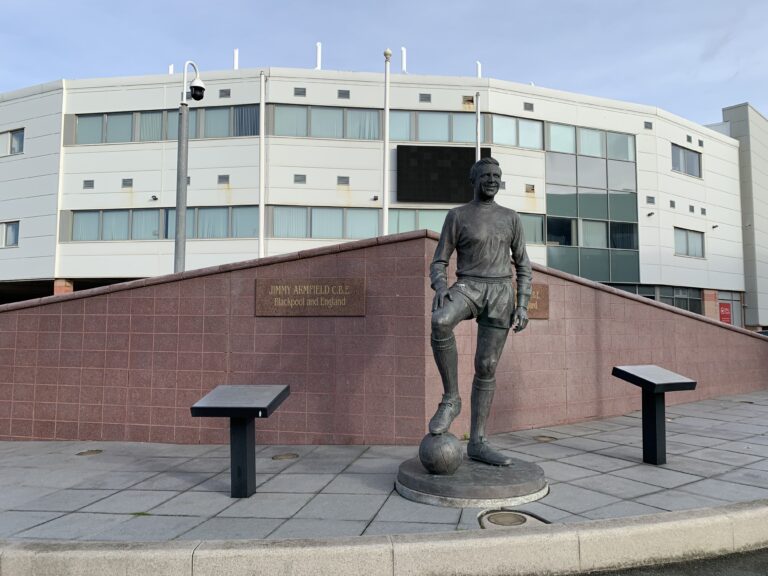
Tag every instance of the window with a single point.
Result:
(246, 120)
(650, 200)
(624, 235)
(88, 184)
(648, 125)
(689, 243)
(170, 223)
(399, 125)
(533, 227)
(671, 203)
(216, 122)
(729, 305)
(364, 125)
(689, 138)
(561, 231)
(127, 183)
(591, 143)
(89, 129)
(150, 126)
(691, 209)
(342, 180)
(594, 234)
(528, 106)
(17, 142)
(9, 234)
(688, 299)
(561, 200)
(223, 179)
(172, 132)
(504, 130)
(245, 222)
(327, 223)
(290, 120)
(343, 94)
(408, 220)
(686, 161)
(145, 224)
(85, 225)
(425, 98)
(114, 225)
(225, 93)
(300, 92)
(464, 127)
(299, 178)
(326, 122)
(212, 222)
(561, 138)
(529, 133)
(622, 205)
(621, 146)
(703, 211)
(433, 126)
(362, 223)
(119, 127)
(289, 222)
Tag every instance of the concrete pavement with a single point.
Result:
(126, 493)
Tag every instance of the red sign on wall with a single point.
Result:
(725, 312)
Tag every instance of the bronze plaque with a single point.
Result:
(310, 297)
(538, 307)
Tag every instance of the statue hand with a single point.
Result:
(519, 319)
(440, 296)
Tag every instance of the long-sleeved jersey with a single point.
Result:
(488, 239)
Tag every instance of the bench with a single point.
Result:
(241, 404)
(655, 382)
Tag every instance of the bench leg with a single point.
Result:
(654, 429)
(242, 445)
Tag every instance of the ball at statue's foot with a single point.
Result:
(440, 453)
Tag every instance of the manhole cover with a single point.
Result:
(544, 438)
(89, 453)
(286, 456)
(506, 518)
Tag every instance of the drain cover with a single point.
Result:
(286, 456)
(506, 518)
(544, 438)
(89, 453)
(501, 518)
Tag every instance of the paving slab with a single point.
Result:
(728, 491)
(194, 504)
(13, 522)
(297, 483)
(67, 500)
(312, 528)
(223, 483)
(343, 506)
(147, 529)
(131, 501)
(621, 509)
(378, 528)
(615, 486)
(116, 480)
(173, 480)
(361, 484)
(598, 462)
(680, 500)
(723, 456)
(74, 526)
(657, 476)
(554, 470)
(232, 529)
(398, 509)
(267, 506)
(575, 499)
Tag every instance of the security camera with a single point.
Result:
(196, 89)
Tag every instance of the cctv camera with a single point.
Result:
(196, 89)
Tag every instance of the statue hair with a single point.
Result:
(481, 162)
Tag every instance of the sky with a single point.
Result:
(689, 57)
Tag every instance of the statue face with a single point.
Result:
(487, 182)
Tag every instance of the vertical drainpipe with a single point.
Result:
(385, 168)
(477, 126)
(262, 162)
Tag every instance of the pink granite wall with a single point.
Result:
(125, 362)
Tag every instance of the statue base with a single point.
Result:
(473, 485)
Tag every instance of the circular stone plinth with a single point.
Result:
(474, 484)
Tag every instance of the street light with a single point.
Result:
(197, 91)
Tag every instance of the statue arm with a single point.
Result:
(438, 270)
(522, 264)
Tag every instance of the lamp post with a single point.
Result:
(197, 90)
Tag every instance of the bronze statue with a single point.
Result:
(484, 235)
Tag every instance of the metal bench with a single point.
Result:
(241, 404)
(654, 381)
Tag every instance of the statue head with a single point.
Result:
(485, 177)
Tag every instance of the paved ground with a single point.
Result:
(717, 453)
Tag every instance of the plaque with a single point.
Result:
(310, 297)
(538, 307)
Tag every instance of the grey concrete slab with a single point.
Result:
(374, 466)
(131, 501)
(729, 491)
(597, 462)
(270, 466)
(267, 506)
(548, 451)
(378, 528)
(223, 483)
(612, 424)
(115, 480)
(751, 429)
(621, 510)
(301, 450)
(343, 506)
(744, 447)
(398, 509)
(759, 465)
(194, 504)
(312, 528)
(66, 500)
(14, 522)
(747, 476)
(510, 441)
(723, 456)
(148, 529)
(575, 499)
(533, 434)
(296, 483)
(394, 452)
(632, 453)
(469, 519)
(554, 470)
(232, 529)
(74, 526)
(695, 466)
(17, 496)
(204, 464)
(584, 444)
(574, 429)
(679, 500)
(695, 440)
(651, 474)
(173, 480)
(541, 510)
(361, 484)
(679, 448)
(616, 486)
(312, 465)
(154, 464)
(351, 452)
(622, 436)
(762, 439)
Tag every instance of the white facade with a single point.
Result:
(48, 179)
